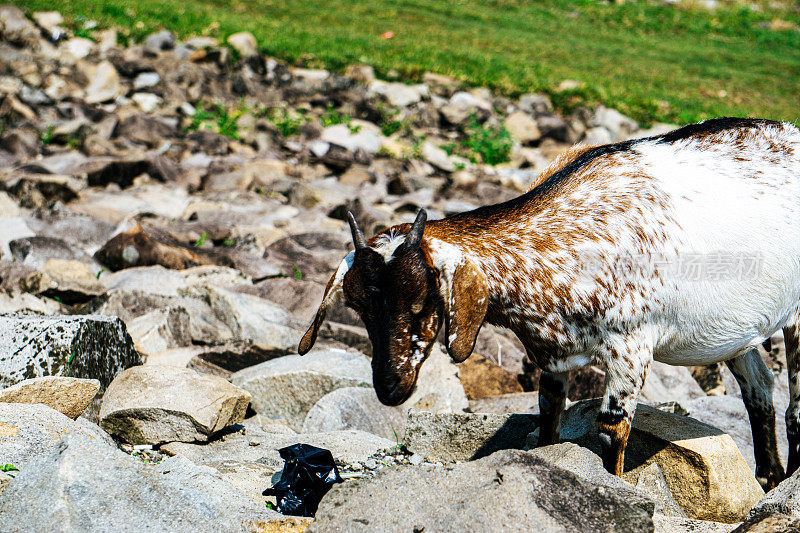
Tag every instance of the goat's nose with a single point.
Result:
(391, 390)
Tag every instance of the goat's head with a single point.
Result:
(404, 290)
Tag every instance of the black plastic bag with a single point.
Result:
(309, 473)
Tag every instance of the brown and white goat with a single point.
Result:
(683, 248)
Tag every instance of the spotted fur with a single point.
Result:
(588, 267)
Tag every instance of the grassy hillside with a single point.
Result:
(654, 62)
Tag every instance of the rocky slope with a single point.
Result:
(169, 214)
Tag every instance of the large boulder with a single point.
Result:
(30, 430)
(90, 346)
(154, 404)
(702, 466)
(667, 383)
(87, 485)
(510, 490)
(70, 396)
(464, 436)
(288, 387)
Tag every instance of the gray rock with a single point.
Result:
(672, 524)
(620, 126)
(15, 28)
(86, 485)
(104, 84)
(163, 40)
(155, 280)
(355, 408)
(367, 138)
(522, 127)
(667, 383)
(465, 436)
(153, 404)
(250, 317)
(37, 251)
(785, 498)
(69, 396)
(399, 94)
(508, 491)
(249, 468)
(288, 387)
(28, 431)
(90, 346)
(146, 80)
(462, 106)
(69, 281)
(160, 330)
(518, 402)
(244, 42)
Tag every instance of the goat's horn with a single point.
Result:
(415, 235)
(358, 235)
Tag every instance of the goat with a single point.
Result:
(596, 264)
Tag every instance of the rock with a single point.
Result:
(482, 378)
(440, 84)
(356, 408)
(620, 126)
(146, 80)
(147, 102)
(69, 281)
(104, 84)
(148, 280)
(27, 303)
(728, 414)
(42, 190)
(666, 383)
(785, 499)
(238, 355)
(399, 94)
(250, 468)
(704, 470)
(288, 387)
(8, 207)
(773, 523)
(28, 431)
(89, 346)
(522, 127)
(464, 436)
(70, 396)
(438, 157)
(363, 74)
(245, 43)
(156, 404)
(156, 42)
(463, 106)
(671, 524)
(75, 49)
(146, 129)
(38, 251)
(535, 104)
(367, 138)
(253, 318)
(114, 491)
(439, 388)
(508, 491)
(160, 330)
(651, 481)
(520, 402)
(15, 28)
(143, 246)
(597, 136)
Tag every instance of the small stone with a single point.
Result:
(163, 40)
(145, 80)
(245, 43)
(416, 459)
(522, 127)
(370, 464)
(147, 102)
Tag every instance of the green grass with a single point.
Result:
(650, 61)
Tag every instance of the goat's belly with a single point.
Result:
(716, 321)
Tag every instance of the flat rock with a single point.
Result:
(149, 280)
(70, 396)
(465, 436)
(89, 346)
(704, 469)
(30, 430)
(520, 402)
(510, 490)
(248, 458)
(155, 404)
(87, 485)
(288, 387)
(70, 281)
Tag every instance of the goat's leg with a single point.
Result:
(791, 335)
(552, 398)
(627, 360)
(755, 380)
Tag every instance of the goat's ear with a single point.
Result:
(465, 297)
(332, 294)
